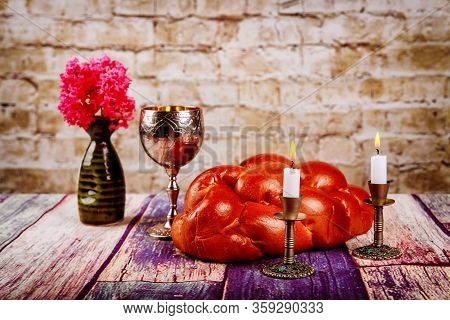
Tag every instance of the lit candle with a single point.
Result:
(378, 165)
(291, 177)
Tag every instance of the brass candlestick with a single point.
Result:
(377, 250)
(289, 268)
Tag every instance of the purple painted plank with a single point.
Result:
(437, 206)
(141, 290)
(146, 249)
(336, 277)
(402, 282)
(84, 291)
(142, 258)
(3, 197)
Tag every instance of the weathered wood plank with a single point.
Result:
(336, 277)
(18, 212)
(17, 200)
(438, 207)
(413, 231)
(144, 259)
(140, 290)
(58, 256)
(407, 282)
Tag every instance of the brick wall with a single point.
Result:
(246, 62)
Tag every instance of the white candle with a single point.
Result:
(291, 177)
(378, 165)
(291, 183)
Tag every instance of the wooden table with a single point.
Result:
(46, 253)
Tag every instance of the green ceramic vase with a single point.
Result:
(101, 184)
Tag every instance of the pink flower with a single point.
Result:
(96, 87)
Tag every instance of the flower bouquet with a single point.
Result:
(93, 96)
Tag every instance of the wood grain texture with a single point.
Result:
(438, 206)
(407, 282)
(19, 212)
(144, 259)
(140, 290)
(336, 277)
(57, 256)
(413, 231)
(48, 254)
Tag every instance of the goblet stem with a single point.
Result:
(378, 227)
(172, 192)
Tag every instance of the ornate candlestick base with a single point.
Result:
(289, 269)
(159, 232)
(295, 270)
(373, 252)
(377, 250)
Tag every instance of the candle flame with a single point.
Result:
(292, 152)
(377, 141)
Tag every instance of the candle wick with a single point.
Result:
(292, 164)
(378, 151)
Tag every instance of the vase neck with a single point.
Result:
(99, 130)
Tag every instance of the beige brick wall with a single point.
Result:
(246, 62)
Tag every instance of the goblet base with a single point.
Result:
(159, 232)
(372, 252)
(281, 270)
